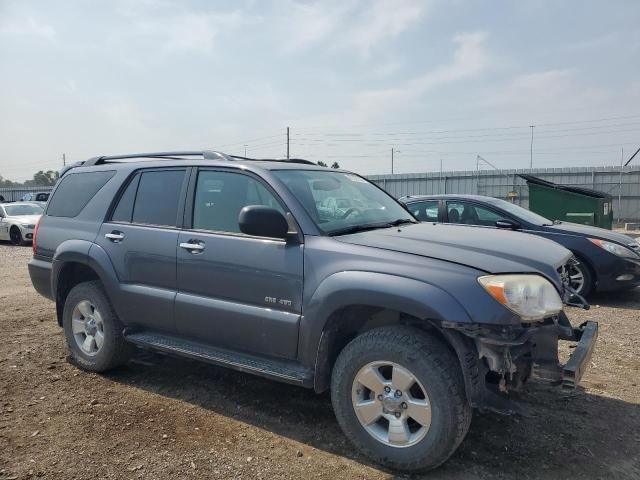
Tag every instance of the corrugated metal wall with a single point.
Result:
(13, 194)
(494, 183)
(498, 183)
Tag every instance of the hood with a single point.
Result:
(486, 249)
(30, 219)
(589, 231)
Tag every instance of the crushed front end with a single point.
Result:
(498, 360)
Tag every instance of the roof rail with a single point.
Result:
(290, 160)
(206, 154)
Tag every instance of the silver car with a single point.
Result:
(18, 220)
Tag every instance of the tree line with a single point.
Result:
(41, 179)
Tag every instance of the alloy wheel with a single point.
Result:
(88, 327)
(391, 404)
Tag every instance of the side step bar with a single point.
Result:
(266, 367)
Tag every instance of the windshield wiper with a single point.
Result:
(401, 221)
(370, 226)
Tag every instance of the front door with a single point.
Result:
(234, 290)
(140, 238)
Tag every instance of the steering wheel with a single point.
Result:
(351, 211)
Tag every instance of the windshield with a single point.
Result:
(17, 210)
(341, 202)
(522, 213)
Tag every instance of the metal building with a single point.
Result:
(623, 184)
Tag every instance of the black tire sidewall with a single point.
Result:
(588, 285)
(440, 440)
(92, 292)
(19, 240)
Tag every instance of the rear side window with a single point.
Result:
(75, 191)
(124, 210)
(151, 198)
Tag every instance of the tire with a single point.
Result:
(15, 235)
(588, 283)
(87, 304)
(435, 369)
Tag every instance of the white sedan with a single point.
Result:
(18, 220)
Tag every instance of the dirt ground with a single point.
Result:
(163, 417)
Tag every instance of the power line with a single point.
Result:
(573, 122)
(349, 136)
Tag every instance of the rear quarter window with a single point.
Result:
(75, 191)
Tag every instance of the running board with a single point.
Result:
(277, 369)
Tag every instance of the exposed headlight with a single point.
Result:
(614, 248)
(28, 225)
(531, 297)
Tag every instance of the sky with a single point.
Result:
(436, 81)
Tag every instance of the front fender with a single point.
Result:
(419, 299)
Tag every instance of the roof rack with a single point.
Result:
(289, 160)
(205, 154)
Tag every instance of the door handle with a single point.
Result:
(192, 246)
(114, 236)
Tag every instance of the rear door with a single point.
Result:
(140, 238)
(234, 290)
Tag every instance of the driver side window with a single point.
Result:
(221, 195)
(425, 211)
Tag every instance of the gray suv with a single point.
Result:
(228, 260)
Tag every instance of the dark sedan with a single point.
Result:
(604, 260)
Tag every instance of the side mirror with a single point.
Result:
(508, 224)
(262, 221)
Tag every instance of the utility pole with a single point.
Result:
(441, 178)
(620, 184)
(245, 151)
(393, 152)
(531, 150)
(64, 159)
(287, 143)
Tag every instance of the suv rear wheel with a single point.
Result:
(92, 329)
(398, 395)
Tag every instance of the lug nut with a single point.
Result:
(397, 414)
(380, 397)
(398, 393)
(404, 406)
(387, 389)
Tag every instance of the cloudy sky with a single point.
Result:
(436, 80)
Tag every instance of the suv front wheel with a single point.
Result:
(398, 395)
(93, 331)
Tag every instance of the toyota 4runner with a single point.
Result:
(235, 262)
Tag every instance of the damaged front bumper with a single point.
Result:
(546, 366)
(499, 360)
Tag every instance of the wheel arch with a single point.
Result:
(347, 304)
(75, 262)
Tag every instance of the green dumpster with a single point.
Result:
(569, 204)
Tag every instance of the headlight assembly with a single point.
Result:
(531, 297)
(614, 248)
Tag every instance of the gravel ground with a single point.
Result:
(162, 417)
